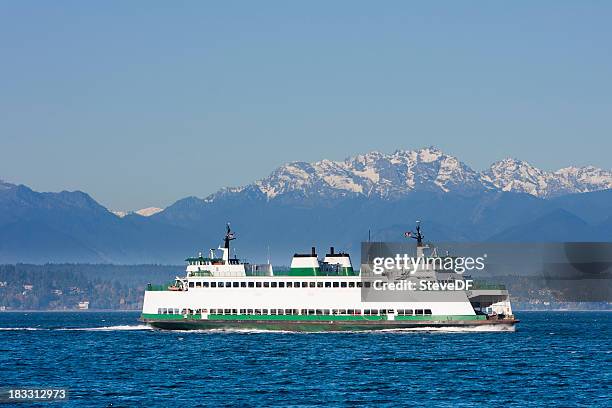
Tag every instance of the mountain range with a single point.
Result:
(322, 203)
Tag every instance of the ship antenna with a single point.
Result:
(419, 237)
(229, 236)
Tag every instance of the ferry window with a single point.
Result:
(234, 311)
(198, 284)
(258, 284)
(236, 284)
(205, 284)
(266, 284)
(264, 311)
(242, 311)
(243, 284)
(367, 284)
(336, 284)
(289, 284)
(257, 311)
(328, 284)
(366, 312)
(427, 311)
(296, 312)
(351, 284)
(273, 312)
(312, 284)
(304, 311)
(359, 284)
(342, 311)
(319, 311)
(273, 284)
(343, 284)
(418, 312)
(159, 310)
(319, 284)
(228, 284)
(227, 311)
(288, 311)
(176, 311)
(281, 284)
(408, 312)
(326, 312)
(311, 311)
(191, 284)
(251, 284)
(334, 311)
(213, 284)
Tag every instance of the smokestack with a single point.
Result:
(313, 251)
(331, 250)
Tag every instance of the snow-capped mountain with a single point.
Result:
(149, 211)
(393, 175)
(519, 176)
(145, 212)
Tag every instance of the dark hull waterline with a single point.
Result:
(319, 326)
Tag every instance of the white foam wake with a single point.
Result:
(111, 328)
(471, 329)
(21, 328)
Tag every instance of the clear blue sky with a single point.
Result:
(143, 103)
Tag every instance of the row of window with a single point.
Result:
(279, 284)
(303, 312)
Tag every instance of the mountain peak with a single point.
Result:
(382, 175)
(144, 212)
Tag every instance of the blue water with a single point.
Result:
(109, 359)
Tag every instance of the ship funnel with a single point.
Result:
(340, 261)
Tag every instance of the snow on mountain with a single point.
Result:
(145, 212)
(583, 179)
(373, 174)
(519, 176)
(149, 211)
(381, 175)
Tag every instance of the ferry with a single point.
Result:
(219, 291)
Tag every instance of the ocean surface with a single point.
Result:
(110, 359)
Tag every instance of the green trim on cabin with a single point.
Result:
(345, 271)
(305, 272)
(348, 271)
(298, 318)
